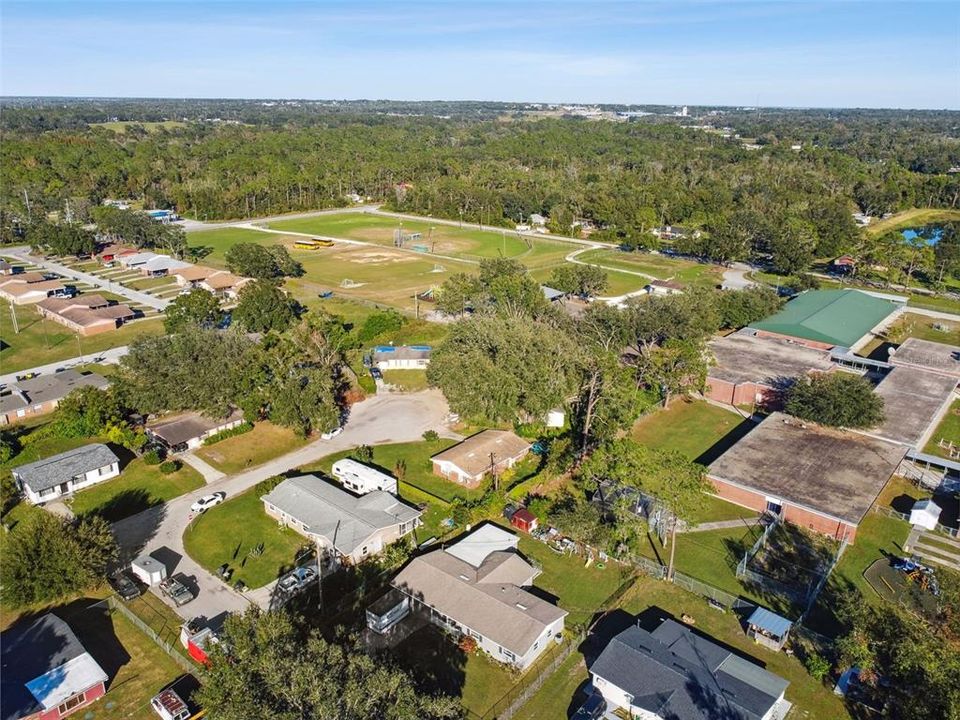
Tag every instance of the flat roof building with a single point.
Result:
(936, 357)
(914, 402)
(820, 478)
(756, 370)
(831, 318)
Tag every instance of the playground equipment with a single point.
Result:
(347, 283)
(438, 269)
(400, 238)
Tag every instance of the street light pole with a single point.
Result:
(80, 348)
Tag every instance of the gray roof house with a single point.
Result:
(48, 479)
(352, 527)
(43, 393)
(477, 587)
(675, 674)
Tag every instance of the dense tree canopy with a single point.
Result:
(197, 308)
(295, 674)
(839, 399)
(262, 306)
(264, 262)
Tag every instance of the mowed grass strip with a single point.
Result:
(229, 532)
(42, 341)
(662, 267)
(139, 487)
(695, 428)
(240, 452)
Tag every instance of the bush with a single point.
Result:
(817, 666)
(380, 322)
(837, 399)
(363, 453)
(431, 436)
(240, 429)
(152, 457)
(170, 466)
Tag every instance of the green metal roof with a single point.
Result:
(838, 317)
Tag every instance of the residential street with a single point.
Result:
(23, 253)
(111, 357)
(377, 420)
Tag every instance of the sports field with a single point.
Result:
(662, 267)
(367, 272)
(435, 239)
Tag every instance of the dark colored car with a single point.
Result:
(594, 708)
(124, 586)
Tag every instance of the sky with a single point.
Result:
(835, 53)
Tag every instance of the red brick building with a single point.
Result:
(820, 478)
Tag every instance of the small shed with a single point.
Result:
(925, 514)
(556, 418)
(524, 520)
(768, 629)
(148, 569)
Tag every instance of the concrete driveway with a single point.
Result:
(159, 530)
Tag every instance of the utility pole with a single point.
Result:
(80, 348)
(493, 472)
(26, 199)
(481, 217)
(13, 315)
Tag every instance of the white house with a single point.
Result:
(361, 478)
(402, 357)
(487, 451)
(477, 587)
(673, 673)
(537, 220)
(664, 287)
(48, 479)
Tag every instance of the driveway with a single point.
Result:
(142, 298)
(377, 420)
(735, 278)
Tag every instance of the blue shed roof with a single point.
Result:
(771, 622)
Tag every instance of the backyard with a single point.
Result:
(649, 600)
(697, 429)
(241, 452)
(139, 487)
(234, 532)
(42, 341)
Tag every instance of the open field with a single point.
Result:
(915, 217)
(662, 267)
(140, 486)
(436, 239)
(240, 452)
(382, 275)
(229, 532)
(41, 341)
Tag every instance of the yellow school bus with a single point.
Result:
(314, 244)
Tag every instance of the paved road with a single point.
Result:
(377, 420)
(735, 278)
(111, 356)
(142, 298)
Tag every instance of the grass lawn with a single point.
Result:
(240, 452)
(406, 380)
(912, 218)
(948, 430)
(911, 325)
(140, 486)
(42, 341)
(439, 239)
(121, 126)
(136, 668)
(662, 267)
(697, 429)
(229, 531)
(148, 283)
(579, 590)
(419, 472)
(439, 665)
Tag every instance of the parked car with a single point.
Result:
(330, 434)
(27, 376)
(207, 502)
(67, 291)
(593, 709)
(176, 591)
(297, 579)
(124, 586)
(170, 706)
(376, 373)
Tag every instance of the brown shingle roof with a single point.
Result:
(195, 272)
(21, 289)
(473, 454)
